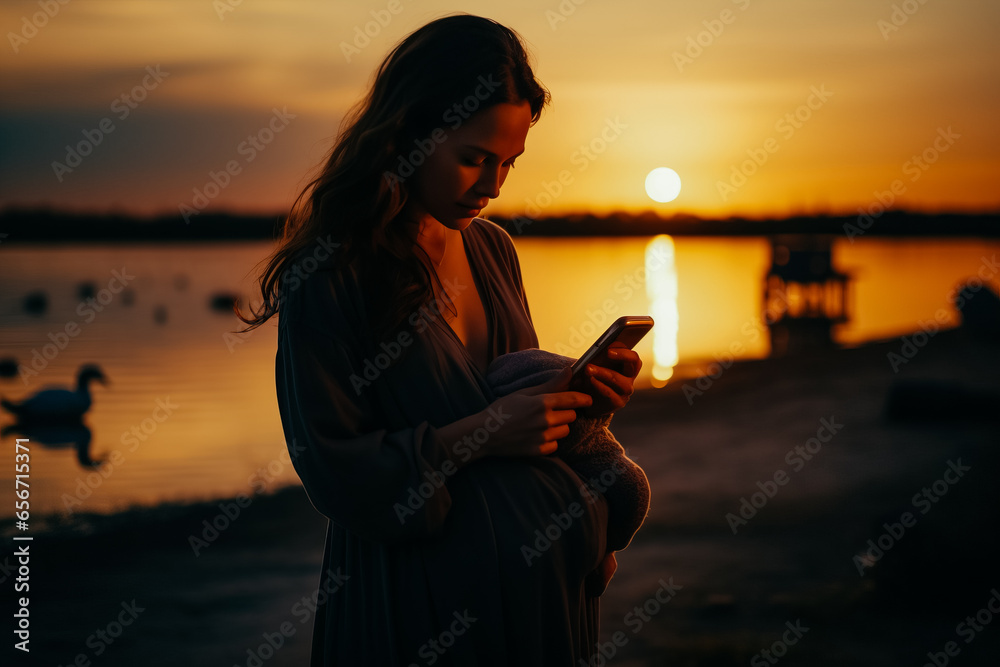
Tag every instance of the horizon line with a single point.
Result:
(680, 216)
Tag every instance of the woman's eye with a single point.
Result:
(470, 162)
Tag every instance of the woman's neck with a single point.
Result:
(437, 240)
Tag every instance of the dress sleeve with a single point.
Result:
(368, 479)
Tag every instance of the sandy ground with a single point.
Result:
(786, 582)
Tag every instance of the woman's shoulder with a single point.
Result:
(491, 229)
(319, 289)
(496, 237)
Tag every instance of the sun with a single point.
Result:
(663, 185)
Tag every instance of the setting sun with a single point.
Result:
(663, 185)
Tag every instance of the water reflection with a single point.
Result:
(804, 295)
(661, 289)
(57, 436)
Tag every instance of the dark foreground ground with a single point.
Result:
(790, 565)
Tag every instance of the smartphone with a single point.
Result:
(627, 330)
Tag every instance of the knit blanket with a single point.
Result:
(590, 449)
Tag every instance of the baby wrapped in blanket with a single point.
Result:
(589, 450)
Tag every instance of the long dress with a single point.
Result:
(483, 566)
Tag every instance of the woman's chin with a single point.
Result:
(459, 224)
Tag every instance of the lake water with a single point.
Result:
(190, 412)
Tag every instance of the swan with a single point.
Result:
(56, 403)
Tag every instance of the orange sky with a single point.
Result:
(720, 91)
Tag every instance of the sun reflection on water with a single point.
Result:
(661, 289)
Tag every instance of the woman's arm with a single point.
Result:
(363, 478)
(392, 485)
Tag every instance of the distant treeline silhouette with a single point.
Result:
(53, 226)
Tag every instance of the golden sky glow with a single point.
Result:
(763, 108)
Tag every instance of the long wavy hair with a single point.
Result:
(357, 200)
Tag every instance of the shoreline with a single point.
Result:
(45, 226)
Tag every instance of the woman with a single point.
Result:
(454, 538)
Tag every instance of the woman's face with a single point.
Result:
(468, 165)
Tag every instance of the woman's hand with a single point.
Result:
(530, 421)
(612, 389)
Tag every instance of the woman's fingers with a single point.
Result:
(560, 409)
(607, 399)
(544, 420)
(567, 401)
(630, 360)
(611, 383)
(548, 448)
(573, 399)
(563, 407)
(611, 389)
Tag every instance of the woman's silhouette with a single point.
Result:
(455, 537)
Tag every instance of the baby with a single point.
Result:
(590, 449)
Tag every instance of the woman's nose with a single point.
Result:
(489, 183)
